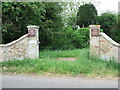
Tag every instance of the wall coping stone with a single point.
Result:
(109, 39)
(94, 26)
(33, 26)
(15, 41)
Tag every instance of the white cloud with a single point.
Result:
(105, 5)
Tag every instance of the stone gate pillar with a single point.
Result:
(33, 42)
(94, 39)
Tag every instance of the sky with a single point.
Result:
(105, 5)
(102, 5)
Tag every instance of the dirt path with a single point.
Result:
(68, 59)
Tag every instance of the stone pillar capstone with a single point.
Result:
(94, 39)
(33, 42)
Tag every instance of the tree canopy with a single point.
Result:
(56, 24)
(109, 23)
(86, 15)
(16, 16)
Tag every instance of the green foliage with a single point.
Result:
(48, 63)
(79, 38)
(109, 23)
(51, 26)
(86, 15)
(47, 15)
(118, 30)
(85, 36)
(71, 39)
(59, 53)
(54, 34)
(17, 15)
(101, 30)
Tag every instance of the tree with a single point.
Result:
(86, 15)
(47, 15)
(51, 25)
(109, 23)
(17, 15)
(118, 34)
(70, 12)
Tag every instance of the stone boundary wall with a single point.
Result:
(102, 45)
(14, 50)
(108, 47)
(26, 46)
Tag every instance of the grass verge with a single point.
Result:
(48, 63)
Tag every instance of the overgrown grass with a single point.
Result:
(59, 53)
(48, 63)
